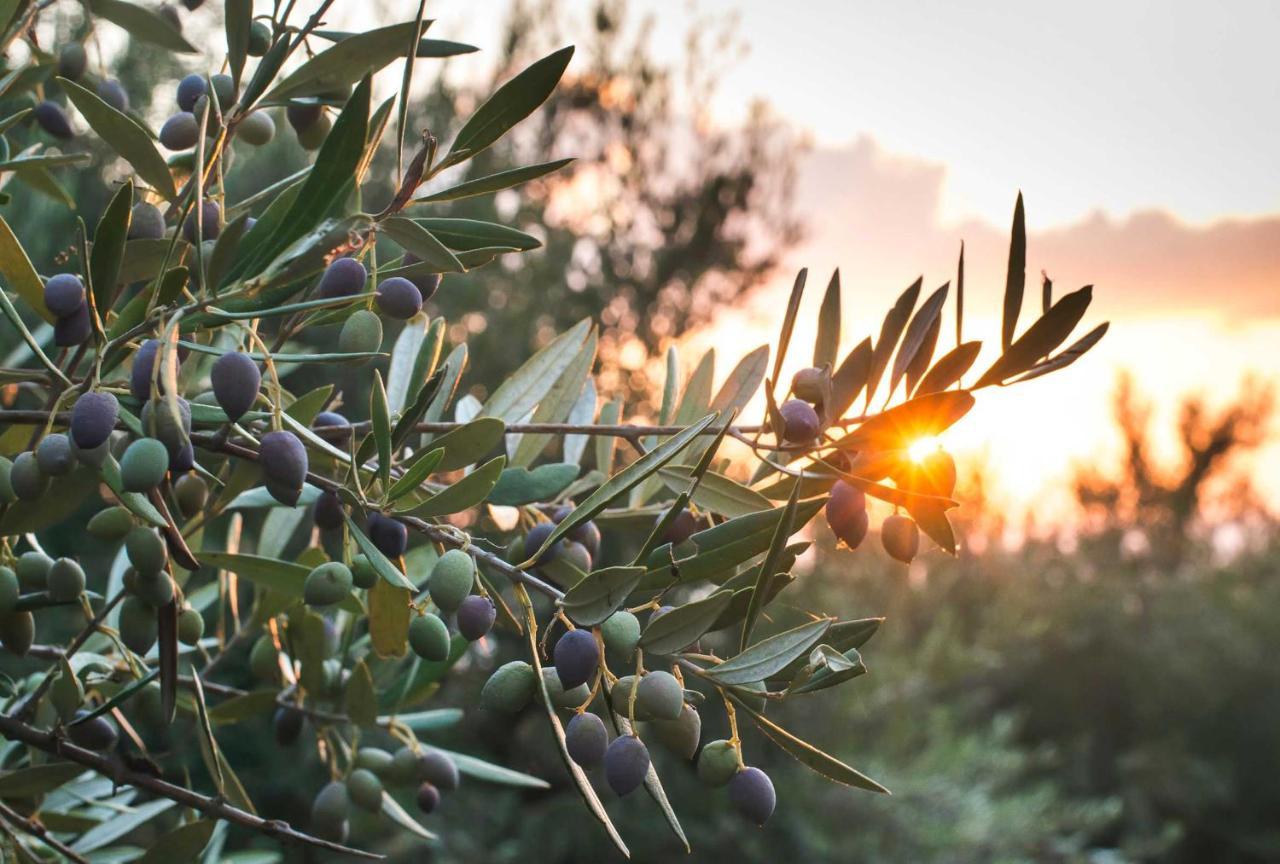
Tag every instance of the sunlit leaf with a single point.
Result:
(1047, 333)
(895, 321)
(827, 343)
(1015, 277)
(769, 656)
(142, 24)
(464, 494)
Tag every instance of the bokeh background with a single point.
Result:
(1093, 678)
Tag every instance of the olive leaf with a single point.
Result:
(493, 182)
(599, 595)
(769, 656)
(462, 495)
(142, 24)
(682, 626)
(895, 321)
(827, 343)
(124, 135)
(1015, 277)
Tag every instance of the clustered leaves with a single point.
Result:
(635, 586)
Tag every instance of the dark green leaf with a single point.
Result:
(423, 464)
(381, 421)
(493, 182)
(463, 495)
(682, 626)
(472, 234)
(238, 15)
(38, 779)
(716, 492)
(124, 135)
(1016, 276)
(772, 558)
(466, 445)
(413, 237)
(385, 567)
(108, 246)
(346, 62)
(769, 656)
(1047, 333)
(598, 596)
(183, 843)
(517, 486)
(142, 24)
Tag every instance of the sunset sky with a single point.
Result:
(1136, 131)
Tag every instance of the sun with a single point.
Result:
(920, 449)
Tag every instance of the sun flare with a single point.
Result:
(922, 447)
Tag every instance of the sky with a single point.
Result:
(1142, 134)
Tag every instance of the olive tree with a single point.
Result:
(151, 411)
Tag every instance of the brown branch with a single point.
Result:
(27, 709)
(35, 829)
(215, 808)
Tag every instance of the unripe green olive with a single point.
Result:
(327, 584)
(18, 632)
(110, 524)
(365, 790)
(331, 805)
(33, 570)
(375, 760)
(143, 465)
(621, 632)
(138, 625)
(363, 573)
(429, 638)
(28, 481)
(155, 589)
(560, 697)
(361, 333)
(146, 549)
(717, 763)
(9, 591)
(660, 696)
(263, 659)
(510, 688)
(190, 626)
(682, 735)
(65, 580)
(192, 494)
(452, 579)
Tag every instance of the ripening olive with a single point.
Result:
(303, 115)
(210, 223)
(846, 513)
(365, 790)
(111, 92)
(143, 370)
(361, 333)
(509, 688)
(334, 420)
(190, 626)
(620, 697)
(284, 461)
(476, 616)
(684, 526)
(626, 763)
(345, 277)
(427, 283)
(312, 138)
(65, 580)
(146, 549)
(287, 723)
(180, 132)
(533, 541)
(112, 523)
(330, 807)
(143, 466)
(259, 38)
(800, 422)
(807, 385)
(192, 494)
(66, 695)
(682, 735)
(621, 632)
(256, 129)
(660, 696)
(429, 638)
(404, 766)
(138, 625)
(428, 798)
(587, 533)
(93, 418)
(586, 739)
(717, 763)
(236, 382)
(28, 481)
(452, 579)
(72, 61)
(327, 584)
(7, 495)
(9, 590)
(363, 573)
(901, 537)
(53, 120)
(560, 697)
(191, 88)
(224, 87)
(63, 294)
(397, 297)
(54, 455)
(146, 222)
(329, 512)
(438, 769)
(33, 570)
(264, 661)
(17, 632)
(375, 760)
(576, 555)
(577, 657)
(389, 535)
(74, 329)
(751, 794)
(97, 733)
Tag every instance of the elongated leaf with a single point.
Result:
(389, 618)
(823, 763)
(19, 274)
(473, 235)
(684, 625)
(769, 656)
(836, 669)
(119, 825)
(849, 378)
(789, 323)
(625, 480)
(387, 569)
(347, 61)
(598, 596)
(742, 382)
(404, 357)
(124, 135)
(895, 321)
(238, 15)
(493, 182)
(901, 426)
(605, 447)
(1016, 277)
(38, 779)
(582, 413)
(463, 495)
(252, 704)
(777, 548)
(380, 419)
(183, 843)
(949, 368)
(555, 406)
(417, 472)
(716, 492)
(279, 576)
(527, 386)
(413, 237)
(108, 246)
(827, 344)
(519, 486)
(398, 815)
(510, 103)
(1047, 333)
(360, 700)
(142, 24)
(1069, 355)
(924, 322)
(467, 444)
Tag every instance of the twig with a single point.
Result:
(35, 829)
(47, 742)
(28, 707)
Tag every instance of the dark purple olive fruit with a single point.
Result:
(751, 794)
(428, 798)
(586, 739)
(210, 226)
(183, 460)
(54, 455)
(236, 381)
(73, 329)
(256, 129)
(332, 420)
(180, 132)
(93, 418)
(427, 283)
(303, 115)
(72, 61)
(437, 769)
(143, 368)
(389, 535)
(283, 460)
(97, 734)
(53, 120)
(626, 762)
(800, 423)
(476, 616)
(901, 537)
(536, 537)
(146, 222)
(63, 294)
(287, 724)
(28, 481)
(577, 657)
(399, 298)
(345, 277)
(588, 533)
(192, 5)
(846, 513)
(191, 88)
(684, 526)
(158, 421)
(111, 92)
(329, 511)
